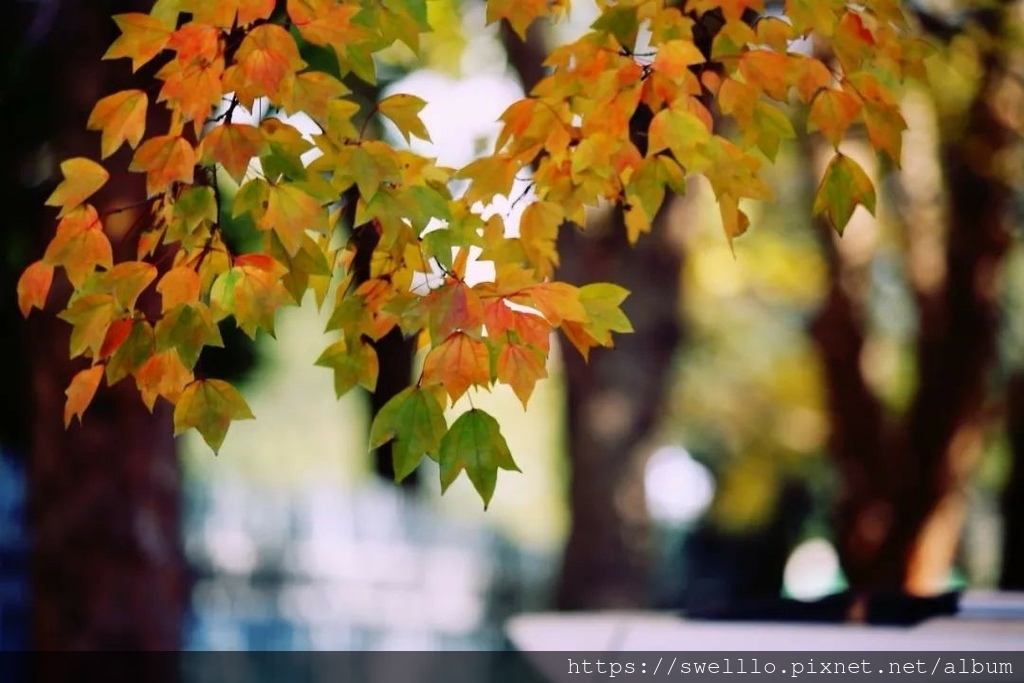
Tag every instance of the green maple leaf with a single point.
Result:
(359, 366)
(474, 443)
(414, 420)
(187, 328)
(210, 405)
(842, 188)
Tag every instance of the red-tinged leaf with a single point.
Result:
(165, 159)
(842, 188)
(162, 375)
(131, 353)
(34, 287)
(80, 393)
(557, 301)
(475, 444)
(458, 363)
(454, 307)
(116, 336)
(519, 13)
(414, 420)
(501, 319)
(404, 111)
(832, 112)
(209, 406)
(122, 118)
(179, 286)
(82, 178)
(193, 89)
(142, 38)
(579, 337)
(885, 127)
(521, 366)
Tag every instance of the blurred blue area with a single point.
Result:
(14, 599)
(333, 569)
(316, 570)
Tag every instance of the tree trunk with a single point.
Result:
(903, 501)
(107, 567)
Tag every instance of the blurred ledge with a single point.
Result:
(985, 621)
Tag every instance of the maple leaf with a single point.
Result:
(210, 405)
(501, 319)
(34, 286)
(82, 178)
(165, 159)
(142, 38)
(127, 280)
(80, 393)
(458, 363)
(521, 366)
(314, 93)
(187, 328)
(179, 285)
(117, 335)
(265, 65)
(519, 13)
(357, 367)
(324, 22)
(453, 307)
(414, 420)
(290, 213)
(233, 146)
(557, 301)
(404, 111)
(832, 112)
(80, 245)
(843, 186)
(474, 443)
(163, 374)
(122, 118)
(131, 353)
(91, 315)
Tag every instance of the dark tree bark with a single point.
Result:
(107, 568)
(902, 502)
(614, 403)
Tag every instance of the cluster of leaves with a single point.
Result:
(577, 133)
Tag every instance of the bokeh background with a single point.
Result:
(796, 417)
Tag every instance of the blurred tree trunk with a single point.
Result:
(902, 502)
(614, 401)
(107, 567)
